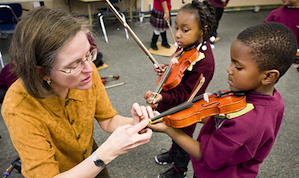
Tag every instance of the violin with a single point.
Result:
(188, 113)
(174, 73)
(105, 79)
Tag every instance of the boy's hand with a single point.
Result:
(159, 127)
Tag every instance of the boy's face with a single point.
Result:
(187, 30)
(243, 73)
(290, 3)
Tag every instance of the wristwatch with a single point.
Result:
(97, 161)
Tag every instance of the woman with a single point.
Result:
(49, 110)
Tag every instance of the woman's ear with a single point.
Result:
(42, 73)
(271, 76)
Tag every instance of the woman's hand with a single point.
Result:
(141, 112)
(124, 139)
(149, 95)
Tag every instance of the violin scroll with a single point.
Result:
(105, 79)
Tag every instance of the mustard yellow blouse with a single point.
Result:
(54, 134)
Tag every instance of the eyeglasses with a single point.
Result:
(80, 65)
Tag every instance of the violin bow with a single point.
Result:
(200, 81)
(172, 35)
(118, 16)
(115, 85)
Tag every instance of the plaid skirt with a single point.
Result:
(157, 20)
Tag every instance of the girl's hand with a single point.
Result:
(141, 113)
(149, 95)
(166, 16)
(159, 72)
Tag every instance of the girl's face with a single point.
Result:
(187, 30)
(243, 73)
(74, 52)
(294, 3)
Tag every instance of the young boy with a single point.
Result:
(235, 147)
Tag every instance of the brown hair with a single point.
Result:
(37, 39)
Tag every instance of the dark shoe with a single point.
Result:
(166, 45)
(154, 46)
(99, 62)
(163, 158)
(154, 41)
(164, 40)
(172, 173)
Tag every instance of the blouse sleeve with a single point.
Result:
(104, 109)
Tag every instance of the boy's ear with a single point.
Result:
(271, 76)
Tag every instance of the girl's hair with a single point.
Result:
(205, 15)
(37, 39)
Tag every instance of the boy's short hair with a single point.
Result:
(273, 44)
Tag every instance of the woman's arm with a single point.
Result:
(122, 140)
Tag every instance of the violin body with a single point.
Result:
(184, 61)
(217, 105)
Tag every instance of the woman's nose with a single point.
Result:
(87, 66)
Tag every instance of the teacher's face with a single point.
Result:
(70, 56)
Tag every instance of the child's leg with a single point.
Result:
(178, 156)
(181, 159)
(164, 40)
(155, 37)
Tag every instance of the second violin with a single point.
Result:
(174, 73)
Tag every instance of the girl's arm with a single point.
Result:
(166, 11)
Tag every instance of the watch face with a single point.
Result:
(100, 163)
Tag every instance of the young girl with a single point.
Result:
(234, 147)
(219, 6)
(159, 17)
(194, 25)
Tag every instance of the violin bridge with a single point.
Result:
(174, 60)
(206, 97)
